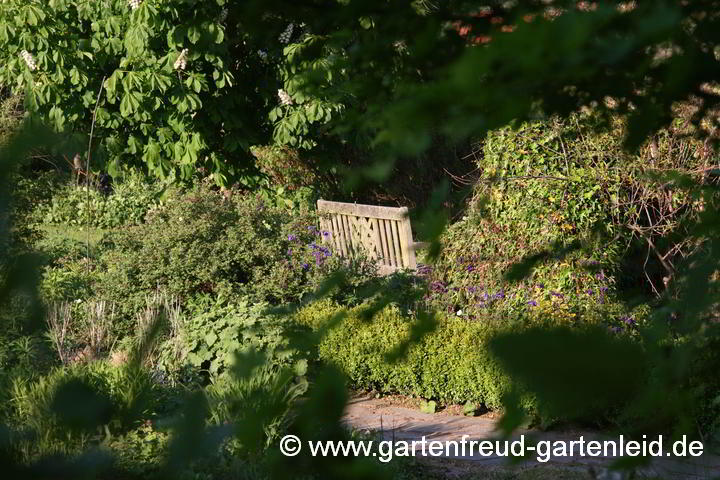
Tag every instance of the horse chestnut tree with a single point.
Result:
(175, 86)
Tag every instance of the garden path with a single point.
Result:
(396, 422)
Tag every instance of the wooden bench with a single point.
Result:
(382, 233)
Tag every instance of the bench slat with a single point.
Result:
(359, 210)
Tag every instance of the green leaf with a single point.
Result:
(74, 76)
(4, 34)
(129, 103)
(470, 409)
(111, 85)
(194, 34)
(429, 407)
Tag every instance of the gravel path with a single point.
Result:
(401, 423)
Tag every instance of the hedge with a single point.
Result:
(450, 364)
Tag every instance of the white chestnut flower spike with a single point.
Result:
(285, 99)
(29, 60)
(134, 4)
(181, 61)
(287, 34)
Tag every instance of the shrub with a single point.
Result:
(285, 166)
(307, 262)
(11, 114)
(27, 194)
(204, 243)
(546, 232)
(69, 282)
(198, 242)
(450, 364)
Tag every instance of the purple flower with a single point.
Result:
(628, 321)
(291, 238)
(438, 287)
(603, 289)
(472, 289)
(616, 329)
(590, 291)
(306, 266)
(600, 276)
(557, 294)
(532, 303)
(540, 286)
(470, 268)
(289, 252)
(500, 294)
(325, 234)
(424, 269)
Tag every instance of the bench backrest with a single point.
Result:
(383, 233)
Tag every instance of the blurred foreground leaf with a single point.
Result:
(572, 372)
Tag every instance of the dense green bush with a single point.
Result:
(140, 452)
(450, 364)
(560, 225)
(202, 242)
(197, 243)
